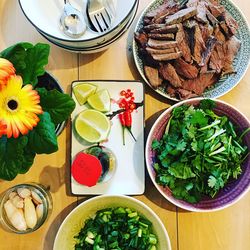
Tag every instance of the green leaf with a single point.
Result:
(15, 157)
(180, 170)
(43, 139)
(207, 104)
(57, 104)
(28, 60)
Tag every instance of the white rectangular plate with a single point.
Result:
(129, 177)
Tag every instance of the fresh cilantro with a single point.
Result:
(200, 152)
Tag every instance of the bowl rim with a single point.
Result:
(105, 196)
(171, 199)
(84, 40)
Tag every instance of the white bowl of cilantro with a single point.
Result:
(197, 154)
(112, 222)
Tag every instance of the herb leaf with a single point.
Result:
(57, 104)
(42, 139)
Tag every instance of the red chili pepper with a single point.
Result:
(128, 122)
(123, 123)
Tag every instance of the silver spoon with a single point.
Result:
(72, 21)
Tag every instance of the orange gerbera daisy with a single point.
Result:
(3, 128)
(19, 107)
(6, 71)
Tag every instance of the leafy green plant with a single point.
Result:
(17, 154)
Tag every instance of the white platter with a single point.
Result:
(129, 177)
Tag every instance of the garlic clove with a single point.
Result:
(23, 192)
(17, 201)
(39, 211)
(12, 195)
(36, 198)
(30, 212)
(15, 216)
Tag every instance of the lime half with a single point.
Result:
(82, 91)
(100, 100)
(92, 125)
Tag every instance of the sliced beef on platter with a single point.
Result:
(168, 73)
(231, 48)
(185, 69)
(216, 10)
(159, 14)
(197, 43)
(167, 57)
(231, 23)
(157, 44)
(181, 15)
(199, 84)
(141, 38)
(211, 41)
(152, 75)
(206, 31)
(212, 19)
(184, 94)
(165, 29)
(169, 36)
(217, 58)
(183, 44)
(201, 6)
(160, 51)
(219, 35)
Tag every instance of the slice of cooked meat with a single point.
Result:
(211, 41)
(171, 90)
(216, 10)
(150, 27)
(181, 15)
(206, 31)
(168, 73)
(167, 57)
(152, 75)
(141, 38)
(184, 94)
(231, 48)
(185, 69)
(231, 23)
(217, 58)
(164, 37)
(183, 44)
(199, 84)
(199, 45)
(160, 51)
(219, 35)
(157, 44)
(214, 22)
(224, 29)
(165, 29)
(201, 6)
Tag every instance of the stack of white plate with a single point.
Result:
(45, 15)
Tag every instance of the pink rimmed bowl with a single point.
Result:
(234, 190)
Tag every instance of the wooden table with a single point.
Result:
(228, 229)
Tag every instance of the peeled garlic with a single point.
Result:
(35, 197)
(39, 211)
(15, 216)
(17, 201)
(23, 192)
(30, 213)
(12, 195)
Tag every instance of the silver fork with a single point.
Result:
(99, 15)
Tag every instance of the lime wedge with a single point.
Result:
(92, 125)
(82, 91)
(100, 100)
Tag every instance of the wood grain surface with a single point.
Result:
(228, 229)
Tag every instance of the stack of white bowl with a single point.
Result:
(45, 15)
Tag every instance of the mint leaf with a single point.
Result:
(28, 60)
(15, 157)
(57, 104)
(42, 139)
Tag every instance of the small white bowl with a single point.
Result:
(73, 223)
